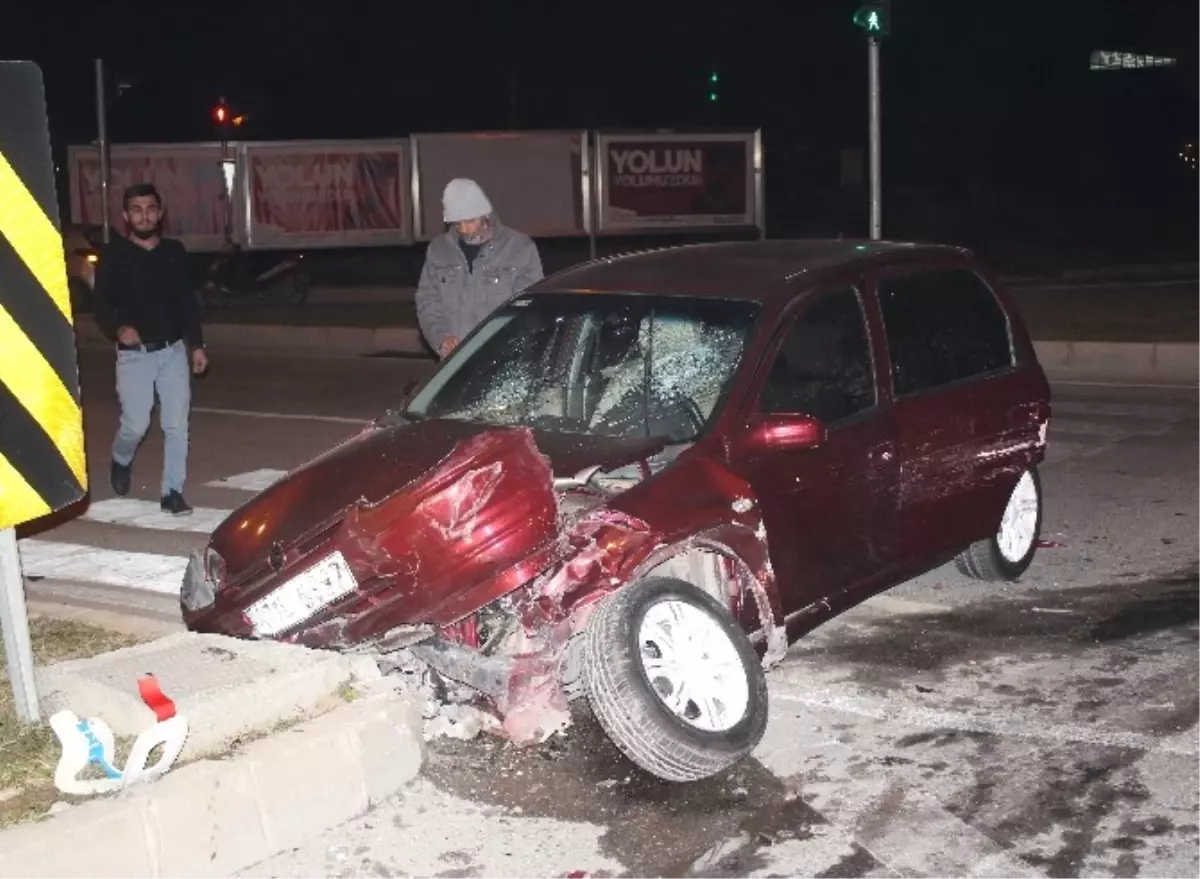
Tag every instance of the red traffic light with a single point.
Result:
(221, 113)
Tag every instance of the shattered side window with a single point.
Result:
(613, 365)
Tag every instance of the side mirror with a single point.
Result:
(781, 433)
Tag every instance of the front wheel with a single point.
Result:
(673, 680)
(1006, 555)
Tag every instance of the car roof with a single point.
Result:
(763, 271)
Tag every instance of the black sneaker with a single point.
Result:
(174, 504)
(119, 475)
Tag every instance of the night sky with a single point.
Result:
(975, 94)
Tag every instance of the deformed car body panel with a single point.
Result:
(486, 523)
(476, 524)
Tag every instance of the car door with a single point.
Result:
(827, 509)
(951, 369)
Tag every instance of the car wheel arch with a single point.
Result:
(714, 567)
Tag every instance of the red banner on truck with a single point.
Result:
(334, 194)
(676, 181)
(189, 178)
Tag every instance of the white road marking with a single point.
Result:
(851, 700)
(255, 480)
(132, 570)
(293, 416)
(146, 514)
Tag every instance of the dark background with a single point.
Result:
(995, 133)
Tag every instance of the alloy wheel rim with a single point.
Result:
(693, 666)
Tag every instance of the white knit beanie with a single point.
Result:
(464, 200)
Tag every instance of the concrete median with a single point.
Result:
(283, 743)
(1166, 363)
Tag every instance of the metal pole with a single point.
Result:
(14, 623)
(876, 188)
(102, 136)
(591, 159)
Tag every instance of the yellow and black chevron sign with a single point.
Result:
(42, 466)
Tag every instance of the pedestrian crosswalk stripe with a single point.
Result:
(255, 480)
(145, 571)
(136, 513)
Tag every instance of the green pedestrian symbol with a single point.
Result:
(874, 19)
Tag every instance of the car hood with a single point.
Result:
(378, 464)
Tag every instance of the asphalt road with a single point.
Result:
(946, 728)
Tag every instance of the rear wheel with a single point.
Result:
(1006, 555)
(673, 680)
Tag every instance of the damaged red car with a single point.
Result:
(638, 481)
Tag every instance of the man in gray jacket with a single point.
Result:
(472, 269)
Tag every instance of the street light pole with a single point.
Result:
(14, 623)
(102, 137)
(876, 186)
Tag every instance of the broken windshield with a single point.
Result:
(614, 365)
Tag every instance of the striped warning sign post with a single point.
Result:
(42, 466)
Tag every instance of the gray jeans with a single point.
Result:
(139, 375)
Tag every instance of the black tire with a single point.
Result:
(983, 559)
(633, 716)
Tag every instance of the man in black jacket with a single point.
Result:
(144, 300)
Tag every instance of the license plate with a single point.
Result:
(302, 596)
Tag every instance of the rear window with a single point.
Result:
(942, 327)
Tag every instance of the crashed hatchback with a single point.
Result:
(637, 482)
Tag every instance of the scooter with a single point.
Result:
(235, 277)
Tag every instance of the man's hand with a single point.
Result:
(199, 361)
(128, 336)
(448, 344)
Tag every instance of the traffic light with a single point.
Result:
(875, 18)
(713, 79)
(222, 116)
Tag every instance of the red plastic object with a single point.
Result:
(156, 701)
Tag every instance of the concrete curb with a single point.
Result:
(228, 688)
(216, 817)
(1166, 363)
